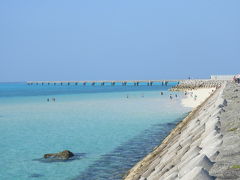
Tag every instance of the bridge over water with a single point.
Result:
(107, 82)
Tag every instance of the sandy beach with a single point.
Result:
(197, 149)
(195, 97)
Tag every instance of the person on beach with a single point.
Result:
(161, 93)
(47, 99)
(53, 99)
(236, 78)
(176, 95)
(170, 96)
(195, 97)
(127, 96)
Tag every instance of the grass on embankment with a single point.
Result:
(232, 129)
(236, 167)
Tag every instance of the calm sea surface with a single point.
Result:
(108, 131)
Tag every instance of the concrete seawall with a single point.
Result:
(227, 162)
(190, 150)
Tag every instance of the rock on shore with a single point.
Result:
(201, 146)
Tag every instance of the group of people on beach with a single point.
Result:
(52, 99)
(127, 96)
(171, 96)
(193, 96)
(236, 79)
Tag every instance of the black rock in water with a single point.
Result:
(66, 154)
(35, 175)
(54, 157)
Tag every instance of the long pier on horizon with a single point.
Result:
(106, 82)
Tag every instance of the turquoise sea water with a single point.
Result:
(108, 131)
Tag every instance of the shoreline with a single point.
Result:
(155, 166)
(196, 97)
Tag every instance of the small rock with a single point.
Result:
(35, 175)
(61, 155)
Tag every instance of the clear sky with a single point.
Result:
(118, 39)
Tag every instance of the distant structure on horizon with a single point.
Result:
(222, 77)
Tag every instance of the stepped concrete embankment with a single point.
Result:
(202, 146)
(227, 162)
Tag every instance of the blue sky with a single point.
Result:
(124, 39)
